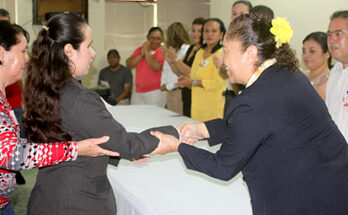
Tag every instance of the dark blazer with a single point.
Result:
(279, 133)
(82, 187)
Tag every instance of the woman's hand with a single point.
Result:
(218, 61)
(146, 47)
(184, 81)
(167, 143)
(163, 87)
(90, 148)
(192, 132)
(169, 54)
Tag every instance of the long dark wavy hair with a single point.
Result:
(253, 30)
(49, 71)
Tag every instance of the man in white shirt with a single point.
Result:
(337, 87)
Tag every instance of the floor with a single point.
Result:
(22, 192)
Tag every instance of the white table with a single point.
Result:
(163, 186)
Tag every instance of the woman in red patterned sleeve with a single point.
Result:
(16, 153)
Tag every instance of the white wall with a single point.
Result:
(10, 6)
(96, 19)
(305, 16)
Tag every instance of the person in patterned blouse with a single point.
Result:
(16, 153)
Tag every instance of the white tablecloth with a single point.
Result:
(163, 186)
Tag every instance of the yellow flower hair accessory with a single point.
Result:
(282, 31)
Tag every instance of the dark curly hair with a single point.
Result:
(253, 30)
(48, 73)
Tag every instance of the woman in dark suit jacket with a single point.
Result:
(63, 110)
(278, 131)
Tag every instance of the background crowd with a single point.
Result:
(199, 76)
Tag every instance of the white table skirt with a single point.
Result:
(163, 186)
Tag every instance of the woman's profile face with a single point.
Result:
(155, 38)
(236, 61)
(15, 60)
(83, 57)
(313, 55)
(196, 33)
(211, 33)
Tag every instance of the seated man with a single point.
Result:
(118, 77)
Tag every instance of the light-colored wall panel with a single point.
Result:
(96, 20)
(10, 6)
(126, 27)
(181, 11)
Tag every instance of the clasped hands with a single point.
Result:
(190, 133)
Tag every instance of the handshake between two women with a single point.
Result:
(189, 133)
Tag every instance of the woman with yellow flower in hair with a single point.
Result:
(292, 155)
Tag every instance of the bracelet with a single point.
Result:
(194, 83)
(176, 59)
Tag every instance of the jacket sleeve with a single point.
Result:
(239, 143)
(90, 118)
(217, 129)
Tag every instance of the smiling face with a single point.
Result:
(313, 55)
(338, 40)
(238, 63)
(14, 61)
(82, 57)
(155, 38)
(211, 33)
(196, 32)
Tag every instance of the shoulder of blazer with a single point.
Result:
(72, 91)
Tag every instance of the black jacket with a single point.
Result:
(279, 133)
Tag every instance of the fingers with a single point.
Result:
(156, 134)
(141, 160)
(108, 153)
(167, 143)
(189, 133)
(100, 140)
(90, 147)
(103, 152)
(100, 151)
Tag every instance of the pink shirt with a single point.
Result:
(146, 79)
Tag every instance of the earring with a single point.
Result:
(203, 41)
(220, 42)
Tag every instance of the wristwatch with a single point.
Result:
(194, 83)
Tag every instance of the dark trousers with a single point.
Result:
(186, 100)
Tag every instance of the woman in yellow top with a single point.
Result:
(205, 81)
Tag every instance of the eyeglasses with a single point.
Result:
(155, 38)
